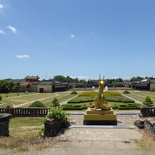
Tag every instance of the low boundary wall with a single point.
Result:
(25, 112)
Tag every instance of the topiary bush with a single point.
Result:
(126, 92)
(37, 104)
(73, 92)
(148, 101)
(55, 102)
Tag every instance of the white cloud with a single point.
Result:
(73, 36)
(1, 6)
(22, 56)
(12, 29)
(2, 32)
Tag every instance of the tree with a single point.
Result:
(59, 78)
(138, 78)
(83, 81)
(16, 87)
(5, 86)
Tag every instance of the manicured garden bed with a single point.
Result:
(85, 99)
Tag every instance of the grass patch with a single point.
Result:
(24, 134)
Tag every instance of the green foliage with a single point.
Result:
(5, 86)
(37, 104)
(0, 98)
(55, 102)
(126, 92)
(75, 106)
(73, 92)
(148, 101)
(113, 81)
(59, 114)
(68, 79)
(16, 87)
(138, 78)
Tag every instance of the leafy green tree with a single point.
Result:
(83, 81)
(59, 78)
(0, 98)
(16, 87)
(5, 86)
(138, 78)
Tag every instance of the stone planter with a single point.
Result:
(53, 127)
(4, 124)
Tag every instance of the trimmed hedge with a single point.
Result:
(74, 107)
(126, 92)
(73, 92)
(148, 101)
(37, 104)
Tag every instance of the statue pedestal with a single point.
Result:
(99, 117)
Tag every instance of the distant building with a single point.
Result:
(30, 83)
(145, 84)
(51, 86)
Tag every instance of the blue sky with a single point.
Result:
(79, 38)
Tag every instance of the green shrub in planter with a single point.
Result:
(37, 104)
(126, 92)
(58, 114)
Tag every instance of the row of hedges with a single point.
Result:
(115, 106)
(74, 107)
(83, 99)
(129, 106)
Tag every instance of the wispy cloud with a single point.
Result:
(73, 36)
(12, 29)
(22, 56)
(2, 32)
(1, 7)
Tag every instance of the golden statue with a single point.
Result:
(100, 102)
(100, 112)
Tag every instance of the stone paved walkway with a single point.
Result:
(92, 141)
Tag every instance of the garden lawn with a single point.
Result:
(141, 95)
(25, 100)
(24, 134)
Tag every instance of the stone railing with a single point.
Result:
(25, 112)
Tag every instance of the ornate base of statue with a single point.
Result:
(99, 117)
(100, 113)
